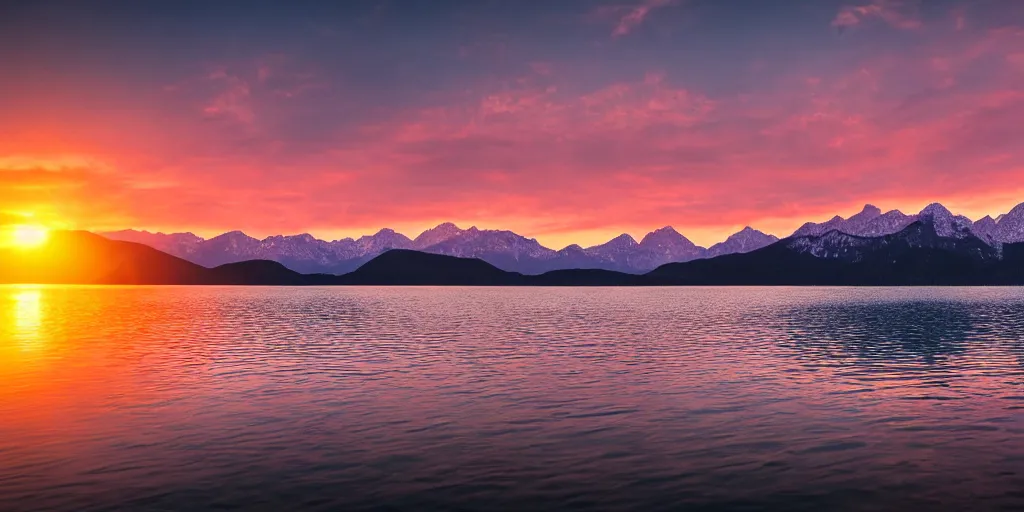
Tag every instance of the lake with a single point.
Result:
(196, 398)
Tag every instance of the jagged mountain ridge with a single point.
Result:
(916, 255)
(1010, 226)
(512, 252)
(871, 222)
(748, 239)
(504, 249)
(927, 233)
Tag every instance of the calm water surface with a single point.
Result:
(170, 398)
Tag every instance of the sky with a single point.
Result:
(569, 121)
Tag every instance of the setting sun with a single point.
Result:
(28, 236)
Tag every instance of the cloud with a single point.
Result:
(894, 127)
(13, 218)
(628, 17)
(567, 149)
(233, 99)
(55, 190)
(900, 14)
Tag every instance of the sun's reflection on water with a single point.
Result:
(27, 316)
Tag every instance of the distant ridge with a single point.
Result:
(78, 257)
(512, 252)
(916, 256)
(405, 267)
(929, 251)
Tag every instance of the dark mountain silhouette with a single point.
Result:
(264, 272)
(586, 277)
(406, 267)
(85, 258)
(917, 255)
(78, 257)
(1010, 270)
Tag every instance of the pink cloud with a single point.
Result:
(232, 100)
(897, 13)
(628, 17)
(560, 156)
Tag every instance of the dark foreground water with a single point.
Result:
(511, 399)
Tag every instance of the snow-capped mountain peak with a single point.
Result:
(234, 238)
(1010, 226)
(665, 236)
(936, 209)
(383, 240)
(833, 244)
(665, 245)
(305, 238)
(986, 229)
(616, 253)
(869, 211)
(945, 223)
(887, 223)
(860, 222)
(177, 244)
(811, 228)
(746, 240)
(870, 221)
(436, 235)
(621, 241)
(484, 243)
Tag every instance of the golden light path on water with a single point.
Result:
(27, 313)
(25, 304)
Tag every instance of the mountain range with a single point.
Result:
(515, 253)
(504, 249)
(934, 249)
(79, 257)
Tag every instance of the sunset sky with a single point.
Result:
(568, 121)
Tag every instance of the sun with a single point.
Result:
(28, 236)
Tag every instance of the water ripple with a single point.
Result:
(166, 398)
